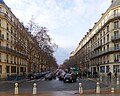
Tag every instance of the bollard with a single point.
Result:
(118, 81)
(80, 88)
(98, 88)
(16, 88)
(112, 90)
(34, 89)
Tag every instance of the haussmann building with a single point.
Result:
(14, 42)
(99, 50)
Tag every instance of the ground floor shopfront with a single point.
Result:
(106, 68)
(10, 70)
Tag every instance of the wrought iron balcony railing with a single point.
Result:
(107, 51)
(3, 48)
(114, 38)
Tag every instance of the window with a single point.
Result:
(13, 69)
(115, 13)
(11, 58)
(103, 48)
(108, 37)
(101, 42)
(103, 32)
(116, 46)
(116, 68)
(116, 34)
(102, 69)
(7, 36)
(116, 25)
(11, 39)
(7, 69)
(108, 28)
(21, 69)
(11, 18)
(108, 47)
(116, 59)
(101, 35)
(104, 40)
(98, 43)
(7, 45)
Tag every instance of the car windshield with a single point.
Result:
(68, 75)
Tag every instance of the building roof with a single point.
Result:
(115, 3)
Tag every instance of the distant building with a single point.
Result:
(99, 50)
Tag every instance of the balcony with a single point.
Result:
(9, 50)
(115, 38)
(107, 51)
(97, 47)
(1, 36)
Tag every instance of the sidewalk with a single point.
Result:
(107, 81)
(64, 93)
(104, 91)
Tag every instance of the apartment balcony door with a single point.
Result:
(116, 34)
(116, 46)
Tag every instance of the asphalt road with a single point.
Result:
(52, 85)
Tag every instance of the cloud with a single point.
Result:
(67, 20)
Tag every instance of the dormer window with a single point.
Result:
(115, 12)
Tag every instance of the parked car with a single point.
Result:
(31, 76)
(48, 77)
(37, 75)
(61, 76)
(69, 78)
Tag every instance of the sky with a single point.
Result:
(68, 21)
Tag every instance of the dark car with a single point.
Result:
(61, 76)
(31, 76)
(48, 77)
(37, 75)
(69, 78)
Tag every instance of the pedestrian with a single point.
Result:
(110, 74)
(115, 74)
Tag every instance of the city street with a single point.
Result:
(52, 85)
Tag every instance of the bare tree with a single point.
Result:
(46, 46)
